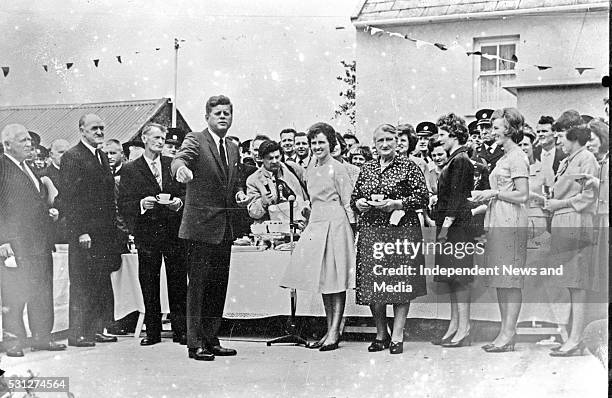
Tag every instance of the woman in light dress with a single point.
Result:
(324, 258)
(506, 223)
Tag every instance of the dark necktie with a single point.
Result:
(99, 156)
(222, 154)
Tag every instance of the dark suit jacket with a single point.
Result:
(559, 156)
(136, 183)
(24, 213)
(210, 199)
(87, 199)
(490, 158)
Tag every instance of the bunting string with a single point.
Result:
(377, 32)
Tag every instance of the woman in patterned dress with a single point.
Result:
(506, 223)
(388, 221)
(572, 230)
(324, 258)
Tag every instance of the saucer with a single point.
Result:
(375, 203)
(164, 202)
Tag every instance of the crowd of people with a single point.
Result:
(184, 198)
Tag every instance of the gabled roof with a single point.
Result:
(379, 10)
(123, 119)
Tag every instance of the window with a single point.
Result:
(493, 73)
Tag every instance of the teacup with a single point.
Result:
(163, 197)
(378, 197)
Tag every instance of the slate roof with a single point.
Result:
(123, 119)
(372, 10)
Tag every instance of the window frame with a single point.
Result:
(496, 41)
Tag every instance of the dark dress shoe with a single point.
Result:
(221, 351)
(117, 331)
(396, 347)
(102, 338)
(150, 341)
(379, 345)
(14, 352)
(201, 354)
(179, 338)
(81, 342)
(48, 346)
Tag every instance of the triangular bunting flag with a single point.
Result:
(96, 62)
(581, 70)
(441, 46)
(69, 65)
(157, 49)
(5, 70)
(46, 68)
(119, 58)
(473, 53)
(376, 31)
(542, 67)
(489, 56)
(136, 52)
(514, 58)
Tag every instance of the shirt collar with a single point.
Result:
(12, 159)
(91, 149)
(215, 137)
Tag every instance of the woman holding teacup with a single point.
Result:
(324, 258)
(388, 193)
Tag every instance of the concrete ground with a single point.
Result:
(125, 369)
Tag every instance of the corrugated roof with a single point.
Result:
(123, 119)
(374, 10)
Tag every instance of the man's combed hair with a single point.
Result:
(268, 147)
(546, 120)
(217, 100)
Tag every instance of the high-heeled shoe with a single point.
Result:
(315, 345)
(487, 346)
(396, 347)
(578, 350)
(464, 342)
(509, 346)
(557, 348)
(330, 347)
(380, 345)
(441, 341)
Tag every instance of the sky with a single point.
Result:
(276, 60)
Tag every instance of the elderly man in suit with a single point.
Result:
(26, 266)
(86, 194)
(208, 163)
(155, 224)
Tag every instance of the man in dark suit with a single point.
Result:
(156, 224)
(86, 195)
(208, 163)
(489, 150)
(26, 265)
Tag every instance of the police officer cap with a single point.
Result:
(426, 129)
(483, 116)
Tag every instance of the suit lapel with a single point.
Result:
(145, 170)
(215, 152)
(20, 174)
(231, 159)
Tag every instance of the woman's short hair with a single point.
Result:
(325, 129)
(528, 132)
(602, 131)
(407, 130)
(580, 133)
(567, 120)
(455, 125)
(268, 147)
(432, 144)
(362, 150)
(513, 121)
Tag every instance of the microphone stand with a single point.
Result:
(291, 329)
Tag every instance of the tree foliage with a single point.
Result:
(347, 107)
